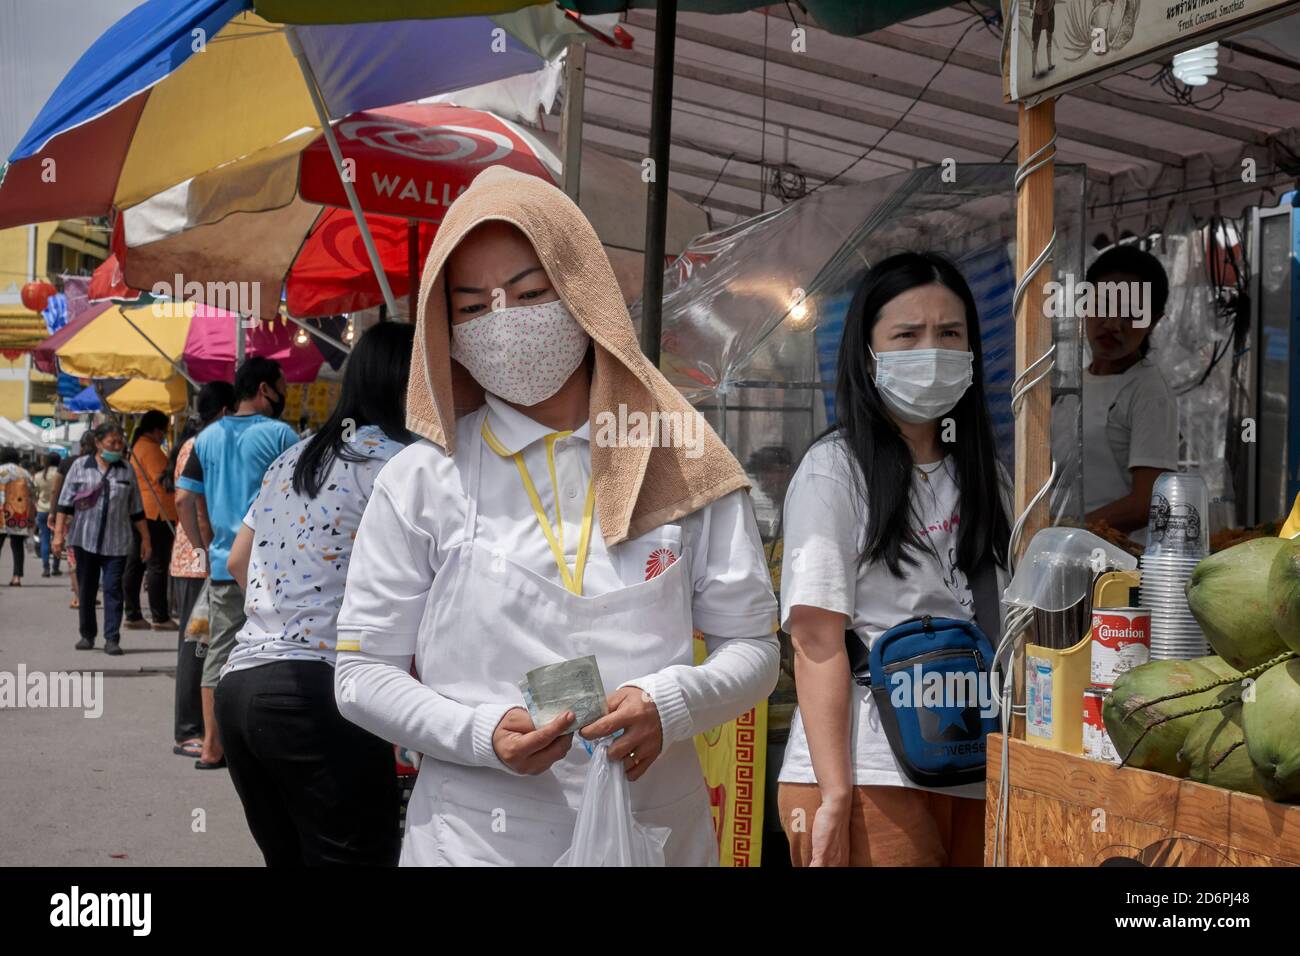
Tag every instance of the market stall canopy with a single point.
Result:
(272, 220)
(210, 347)
(43, 354)
(756, 124)
(177, 87)
(142, 395)
(114, 343)
(13, 436)
(20, 331)
(86, 400)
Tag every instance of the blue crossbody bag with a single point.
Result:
(931, 683)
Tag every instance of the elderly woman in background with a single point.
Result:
(101, 491)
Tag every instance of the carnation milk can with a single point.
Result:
(1121, 641)
(1096, 742)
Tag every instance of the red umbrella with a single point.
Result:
(106, 282)
(278, 218)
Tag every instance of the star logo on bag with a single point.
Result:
(660, 560)
(942, 724)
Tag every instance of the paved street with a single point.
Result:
(106, 791)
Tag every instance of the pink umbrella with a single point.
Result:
(210, 347)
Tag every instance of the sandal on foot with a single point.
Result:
(204, 765)
(189, 748)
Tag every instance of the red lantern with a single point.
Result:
(36, 295)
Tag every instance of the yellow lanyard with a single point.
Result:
(554, 535)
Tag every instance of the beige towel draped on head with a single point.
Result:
(637, 488)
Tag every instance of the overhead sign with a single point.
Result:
(1060, 44)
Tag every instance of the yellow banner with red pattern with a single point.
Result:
(734, 758)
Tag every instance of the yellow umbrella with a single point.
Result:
(142, 395)
(143, 341)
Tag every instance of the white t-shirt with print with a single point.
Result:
(301, 550)
(825, 528)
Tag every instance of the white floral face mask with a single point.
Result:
(521, 354)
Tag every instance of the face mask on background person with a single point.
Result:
(112, 457)
(521, 354)
(278, 403)
(920, 385)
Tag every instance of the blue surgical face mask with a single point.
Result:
(112, 457)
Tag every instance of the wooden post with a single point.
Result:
(1035, 215)
(1034, 219)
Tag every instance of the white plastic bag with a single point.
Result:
(606, 833)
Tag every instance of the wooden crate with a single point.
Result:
(1067, 810)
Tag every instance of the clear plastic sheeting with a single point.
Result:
(1056, 571)
(753, 314)
(1193, 348)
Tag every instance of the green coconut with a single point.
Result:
(1215, 748)
(1284, 593)
(1160, 747)
(1270, 718)
(1217, 664)
(1228, 595)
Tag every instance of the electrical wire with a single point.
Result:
(903, 115)
(1281, 171)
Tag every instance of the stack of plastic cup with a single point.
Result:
(1178, 538)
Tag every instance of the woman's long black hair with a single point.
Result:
(213, 399)
(877, 445)
(374, 393)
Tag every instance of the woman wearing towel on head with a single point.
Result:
(518, 535)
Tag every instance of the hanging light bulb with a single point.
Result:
(1195, 67)
(300, 337)
(350, 332)
(799, 312)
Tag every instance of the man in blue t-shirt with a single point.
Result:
(220, 480)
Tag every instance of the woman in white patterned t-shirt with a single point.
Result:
(316, 788)
(889, 518)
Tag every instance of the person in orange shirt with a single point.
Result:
(150, 463)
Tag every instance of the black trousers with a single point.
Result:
(16, 542)
(160, 539)
(189, 666)
(316, 788)
(90, 567)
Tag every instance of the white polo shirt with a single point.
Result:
(416, 518)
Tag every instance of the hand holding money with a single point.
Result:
(524, 748)
(632, 711)
(573, 686)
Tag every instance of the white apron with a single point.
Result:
(487, 622)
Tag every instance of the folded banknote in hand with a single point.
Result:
(569, 685)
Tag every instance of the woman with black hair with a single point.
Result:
(890, 517)
(150, 464)
(316, 788)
